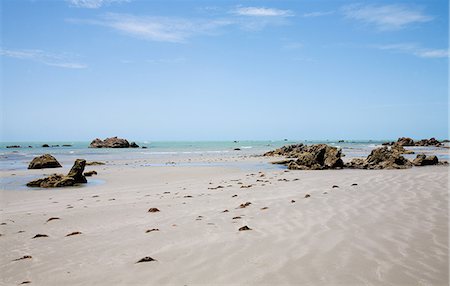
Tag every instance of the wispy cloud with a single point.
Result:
(262, 12)
(50, 59)
(386, 17)
(317, 14)
(414, 49)
(176, 30)
(161, 29)
(93, 4)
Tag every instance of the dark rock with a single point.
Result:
(90, 173)
(67, 145)
(23, 257)
(381, 158)
(245, 205)
(423, 160)
(307, 196)
(153, 210)
(74, 233)
(75, 176)
(55, 145)
(44, 161)
(53, 218)
(112, 142)
(146, 259)
(428, 142)
(40, 235)
(244, 228)
(94, 163)
(151, 230)
(134, 145)
(405, 141)
(309, 157)
(144, 147)
(237, 149)
(45, 146)
(13, 146)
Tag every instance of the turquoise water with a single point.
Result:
(18, 158)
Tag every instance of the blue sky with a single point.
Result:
(223, 70)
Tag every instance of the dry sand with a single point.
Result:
(389, 229)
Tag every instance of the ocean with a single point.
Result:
(19, 158)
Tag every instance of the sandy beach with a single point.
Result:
(356, 227)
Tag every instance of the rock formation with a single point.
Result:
(400, 149)
(406, 141)
(134, 145)
(309, 157)
(381, 158)
(75, 176)
(423, 160)
(112, 142)
(44, 161)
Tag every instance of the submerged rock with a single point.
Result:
(134, 145)
(44, 161)
(75, 176)
(309, 157)
(112, 142)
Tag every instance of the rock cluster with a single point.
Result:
(44, 161)
(423, 160)
(112, 142)
(75, 176)
(309, 157)
(381, 158)
(406, 141)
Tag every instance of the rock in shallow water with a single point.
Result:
(75, 176)
(44, 161)
(381, 158)
(112, 142)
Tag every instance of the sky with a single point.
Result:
(223, 70)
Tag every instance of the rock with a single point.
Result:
(40, 235)
(23, 257)
(75, 176)
(423, 160)
(307, 196)
(144, 147)
(74, 233)
(153, 210)
(237, 149)
(405, 141)
(381, 158)
(45, 146)
(400, 149)
(67, 145)
(112, 142)
(146, 259)
(309, 157)
(94, 163)
(244, 228)
(44, 161)
(13, 146)
(90, 173)
(428, 142)
(134, 145)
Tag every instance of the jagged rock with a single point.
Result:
(44, 161)
(75, 176)
(428, 142)
(312, 157)
(423, 160)
(134, 145)
(90, 173)
(112, 142)
(381, 158)
(405, 141)
(400, 149)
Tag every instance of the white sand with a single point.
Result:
(390, 229)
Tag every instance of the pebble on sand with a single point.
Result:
(153, 210)
(244, 228)
(146, 259)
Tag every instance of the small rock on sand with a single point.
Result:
(244, 228)
(146, 259)
(153, 210)
(151, 230)
(40, 235)
(74, 233)
(52, 218)
(334, 187)
(307, 196)
(23, 257)
(245, 205)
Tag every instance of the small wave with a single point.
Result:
(246, 147)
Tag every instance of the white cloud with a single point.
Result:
(262, 12)
(386, 17)
(162, 29)
(317, 14)
(176, 30)
(414, 49)
(93, 4)
(56, 60)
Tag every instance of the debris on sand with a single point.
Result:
(244, 228)
(146, 259)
